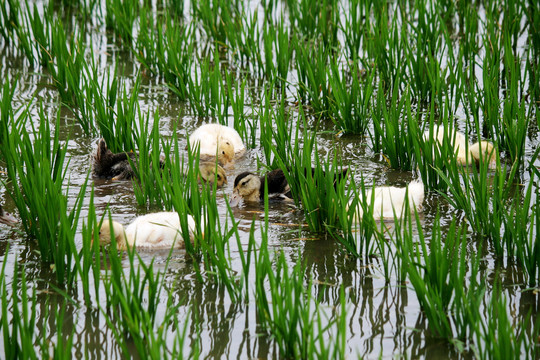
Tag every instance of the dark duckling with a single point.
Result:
(250, 187)
(109, 165)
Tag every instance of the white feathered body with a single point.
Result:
(158, 230)
(390, 199)
(208, 136)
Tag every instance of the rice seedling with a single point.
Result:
(520, 234)
(133, 301)
(121, 17)
(312, 64)
(166, 49)
(315, 20)
(288, 310)
(384, 46)
(350, 104)
(38, 165)
(19, 314)
(435, 273)
(391, 134)
(9, 19)
(353, 25)
(498, 338)
(277, 51)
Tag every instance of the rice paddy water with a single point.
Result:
(313, 88)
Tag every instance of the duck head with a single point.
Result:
(105, 236)
(209, 173)
(7, 218)
(225, 152)
(247, 186)
(485, 151)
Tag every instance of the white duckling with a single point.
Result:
(217, 139)
(159, 230)
(466, 154)
(390, 199)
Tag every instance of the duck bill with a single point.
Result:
(235, 199)
(8, 219)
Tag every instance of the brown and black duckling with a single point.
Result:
(250, 187)
(7, 218)
(117, 166)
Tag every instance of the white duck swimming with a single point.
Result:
(482, 149)
(390, 199)
(217, 139)
(161, 230)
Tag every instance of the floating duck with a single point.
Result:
(466, 154)
(161, 230)
(7, 218)
(217, 139)
(250, 187)
(390, 199)
(111, 165)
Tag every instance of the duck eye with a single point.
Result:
(219, 177)
(223, 152)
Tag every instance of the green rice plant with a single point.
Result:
(117, 127)
(353, 25)
(244, 124)
(133, 300)
(204, 87)
(315, 20)
(38, 165)
(435, 273)
(244, 36)
(288, 310)
(18, 316)
(312, 65)
(433, 158)
(166, 48)
(9, 19)
(489, 100)
(469, 298)
(218, 18)
(35, 36)
(426, 77)
(277, 51)
(483, 205)
(384, 43)
(498, 338)
(67, 64)
(121, 17)
(512, 138)
(350, 105)
(521, 229)
(468, 25)
(391, 134)
(88, 258)
(356, 235)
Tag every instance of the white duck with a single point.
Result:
(482, 149)
(159, 230)
(390, 199)
(217, 139)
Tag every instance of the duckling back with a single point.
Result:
(207, 137)
(158, 230)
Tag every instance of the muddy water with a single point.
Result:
(382, 319)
